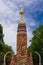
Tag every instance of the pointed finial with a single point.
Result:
(21, 12)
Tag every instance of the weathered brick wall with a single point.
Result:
(22, 43)
(13, 59)
(22, 47)
(21, 58)
(30, 59)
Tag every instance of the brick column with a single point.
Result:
(30, 59)
(13, 60)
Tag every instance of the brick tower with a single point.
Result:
(22, 57)
(22, 41)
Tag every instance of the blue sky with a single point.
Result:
(9, 18)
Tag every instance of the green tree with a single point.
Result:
(1, 34)
(4, 48)
(37, 44)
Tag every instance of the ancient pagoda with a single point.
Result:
(22, 57)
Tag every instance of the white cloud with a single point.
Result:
(10, 34)
(29, 36)
(24, 2)
(33, 23)
(4, 9)
(9, 17)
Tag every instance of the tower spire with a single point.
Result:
(21, 13)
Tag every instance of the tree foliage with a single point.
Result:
(4, 48)
(1, 34)
(37, 44)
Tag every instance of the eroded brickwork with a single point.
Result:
(22, 57)
(13, 59)
(30, 59)
(22, 43)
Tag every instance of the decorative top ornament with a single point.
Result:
(21, 12)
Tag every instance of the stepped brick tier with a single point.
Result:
(22, 57)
